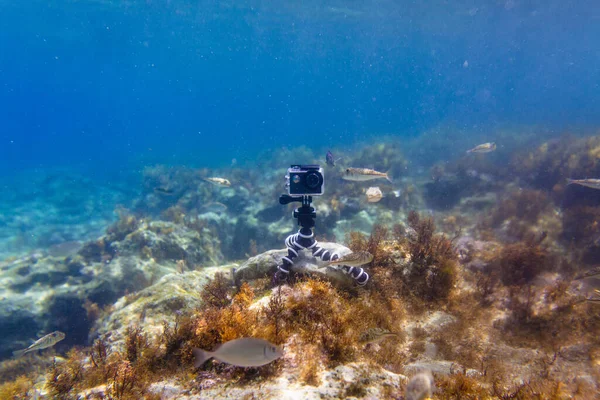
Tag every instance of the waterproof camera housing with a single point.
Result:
(305, 180)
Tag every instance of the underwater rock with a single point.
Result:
(445, 193)
(167, 241)
(355, 380)
(361, 222)
(172, 295)
(265, 265)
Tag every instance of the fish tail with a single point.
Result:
(200, 357)
(19, 353)
(388, 178)
(570, 181)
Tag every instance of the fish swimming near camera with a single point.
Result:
(420, 386)
(164, 191)
(244, 352)
(330, 159)
(353, 259)
(591, 183)
(65, 249)
(218, 181)
(43, 343)
(213, 206)
(590, 273)
(375, 335)
(363, 175)
(483, 148)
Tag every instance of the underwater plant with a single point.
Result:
(375, 244)
(521, 262)
(524, 204)
(433, 260)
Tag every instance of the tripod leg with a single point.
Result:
(359, 274)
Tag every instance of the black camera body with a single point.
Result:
(305, 180)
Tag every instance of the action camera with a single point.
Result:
(305, 180)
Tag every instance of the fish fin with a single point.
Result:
(200, 357)
(19, 353)
(387, 176)
(570, 181)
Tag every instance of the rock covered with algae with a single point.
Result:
(171, 296)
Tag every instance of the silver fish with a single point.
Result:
(244, 352)
(483, 148)
(375, 335)
(218, 181)
(591, 183)
(363, 175)
(214, 206)
(419, 387)
(590, 273)
(164, 191)
(353, 259)
(47, 341)
(65, 249)
(595, 299)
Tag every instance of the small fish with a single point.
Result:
(219, 181)
(375, 335)
(163, 190)
(353, 259)
(214, 206)
(65, 249)
(483, 148)
(595, 299)
(397, 193)
(590, 273)
(591, 183)
(374, 194)
(420, 386)
(330, 159)
(244, 352)
(47, 341)
(363, 174)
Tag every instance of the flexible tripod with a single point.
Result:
(305, 239)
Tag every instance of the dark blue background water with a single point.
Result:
(120, 83)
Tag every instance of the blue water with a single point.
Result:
(119, 84)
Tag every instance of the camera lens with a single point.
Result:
(313, 180)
